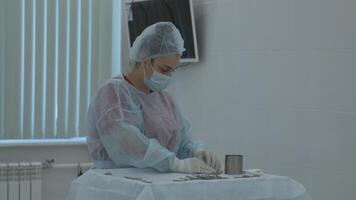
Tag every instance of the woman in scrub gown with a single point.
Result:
(133, 122)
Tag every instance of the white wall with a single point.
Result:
(276, 84)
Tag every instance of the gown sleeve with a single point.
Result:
(188, 144)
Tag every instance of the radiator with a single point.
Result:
(20, 181)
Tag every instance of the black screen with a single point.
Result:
(145, 13)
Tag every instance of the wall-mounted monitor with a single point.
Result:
(143, 13)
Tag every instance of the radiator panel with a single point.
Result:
(20, 181)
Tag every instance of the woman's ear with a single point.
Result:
(149, 66)
(143, 64)
(152, 61)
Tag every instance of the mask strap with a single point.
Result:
(144, 70)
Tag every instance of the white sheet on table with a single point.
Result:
(94, 185)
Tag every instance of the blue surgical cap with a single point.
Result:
(159, 39)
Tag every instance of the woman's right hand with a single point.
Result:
(191, 166)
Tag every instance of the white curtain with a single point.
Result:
(54, 56)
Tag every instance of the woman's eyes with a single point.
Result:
(164, 70)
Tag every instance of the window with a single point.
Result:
(54, 54)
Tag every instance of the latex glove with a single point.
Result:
(191, 166)
(209, 158)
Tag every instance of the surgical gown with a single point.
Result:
(129, 128)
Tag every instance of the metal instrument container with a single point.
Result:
(233, 164)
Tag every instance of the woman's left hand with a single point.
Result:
(209, 158)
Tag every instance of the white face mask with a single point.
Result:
(158, 81)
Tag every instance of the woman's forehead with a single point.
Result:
(171, 61)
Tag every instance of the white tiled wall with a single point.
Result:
(276, 83)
